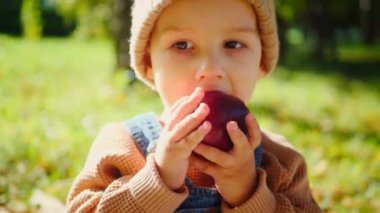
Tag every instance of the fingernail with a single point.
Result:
(205, 107)
(205, 125)
(232, 125)
(201, 107)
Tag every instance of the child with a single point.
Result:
(182, 48)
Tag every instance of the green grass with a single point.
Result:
(57, 94)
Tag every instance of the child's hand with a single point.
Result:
(234, 172)
(184, 130)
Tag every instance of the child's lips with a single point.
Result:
(216, 88)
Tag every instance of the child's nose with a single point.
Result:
(210, 69)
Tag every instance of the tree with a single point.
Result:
(31, 19)
(367, 16)
(92, 17)
(322, 24)
(120, 27)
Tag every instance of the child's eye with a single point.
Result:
(233, 44)
(183, 45)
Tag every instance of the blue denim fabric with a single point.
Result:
(145, 130)
(200, 199)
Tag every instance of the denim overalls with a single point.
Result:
(145, 130)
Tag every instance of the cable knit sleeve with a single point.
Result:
(282, 182)
(117, 178)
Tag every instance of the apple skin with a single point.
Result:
(223, 108)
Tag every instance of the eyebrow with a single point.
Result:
(243, 29)
(239, 29)
(172, 28)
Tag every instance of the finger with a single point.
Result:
(214, 155)
(197, 136)
(190, 122)
(178, 103)
(185, 107)
(254, 133)
(167, 114)
(203, 165)
(238, 138)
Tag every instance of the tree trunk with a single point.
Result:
(31, 19)
(120, 27)
(367, 21)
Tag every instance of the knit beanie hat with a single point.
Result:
(146, 12)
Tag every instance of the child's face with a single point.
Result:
(213, 44)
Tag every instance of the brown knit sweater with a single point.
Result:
(117, 178)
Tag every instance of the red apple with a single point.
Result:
(223, 108)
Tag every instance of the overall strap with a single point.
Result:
(145, 130)
(258, 155)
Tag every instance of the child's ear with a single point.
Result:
(263, 71)
(149, 69)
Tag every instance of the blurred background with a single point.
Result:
(64, 73)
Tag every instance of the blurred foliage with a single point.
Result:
(91, 18)
(288, 9)
(10, 15)
(83, 19)
(57, 94)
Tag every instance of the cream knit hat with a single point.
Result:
(146, 12)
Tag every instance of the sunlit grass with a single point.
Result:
(334, 122)
(57, 94)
